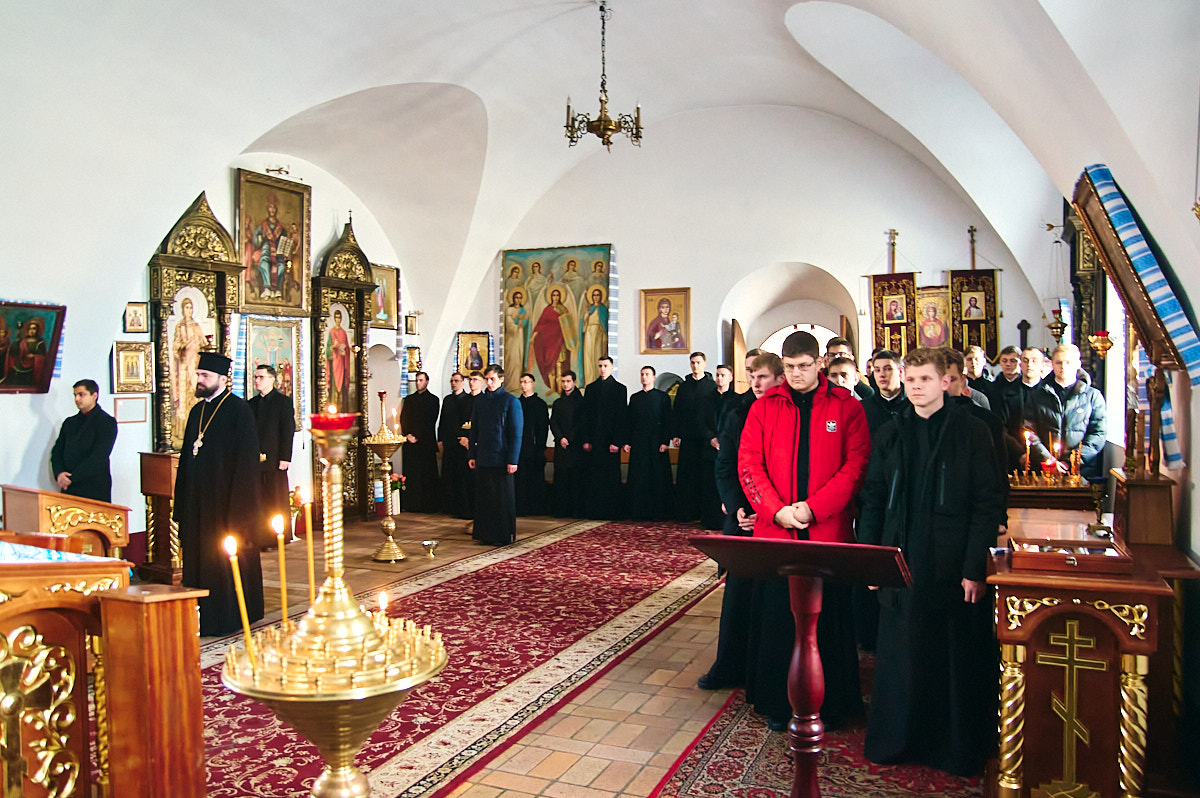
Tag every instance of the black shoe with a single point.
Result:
(778, 724)
(710, 682)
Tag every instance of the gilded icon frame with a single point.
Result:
(132, 367)
(462, 351)
(670, 337)
(384, 303)
(288, 271)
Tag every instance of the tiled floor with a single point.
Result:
(618, 738)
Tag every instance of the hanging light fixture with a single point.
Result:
(603, 126)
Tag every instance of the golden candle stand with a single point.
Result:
(335, 674)
(384, 444)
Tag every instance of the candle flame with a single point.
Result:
(277, 524)
(383, 601)
(331, 410)
(304, 494)
(1028, 436)
(230, 545)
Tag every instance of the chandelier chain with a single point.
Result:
(604, 15)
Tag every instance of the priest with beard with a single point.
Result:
(217, 494)
(418, 422)
(604, 434)
(531, 471)
(649, 480)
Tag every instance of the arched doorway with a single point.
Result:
(774, 341)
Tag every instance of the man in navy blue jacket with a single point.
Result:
(495, 445)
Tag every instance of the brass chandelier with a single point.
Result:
(603, 126)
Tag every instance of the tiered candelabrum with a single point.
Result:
(336, 673)
(1048, 477)
(384, 444)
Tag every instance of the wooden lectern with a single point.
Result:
(93, 527)
(806, 564)
(164, 558)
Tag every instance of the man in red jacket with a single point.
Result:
(802, 459)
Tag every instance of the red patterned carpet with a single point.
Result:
(737, 756)
(525, 626)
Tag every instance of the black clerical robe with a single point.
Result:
(695, 419)
(649, 478)
(531, 471)
(217, 494)
(84, 443)
(935, 673)
(274, 417)
(569, 460)
(418, 418)
(457, 481)
(604, 430)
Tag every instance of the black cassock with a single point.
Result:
(649, 478)
(216, 494)
(418, 417)
(457, 480)
(569, 462)
(695, 419)
(604, 406)
(531, 470)
(931, 489)
(82, 449)
(275, 419)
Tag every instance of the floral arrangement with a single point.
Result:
(399, 483)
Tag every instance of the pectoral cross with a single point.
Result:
(1067, 707)
(196, 446)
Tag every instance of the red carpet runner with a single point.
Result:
(737, 756)
(525, 626)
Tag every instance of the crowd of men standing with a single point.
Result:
(584, 435)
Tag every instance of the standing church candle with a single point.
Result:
(277, 525)
(231, 550)
(308, 544)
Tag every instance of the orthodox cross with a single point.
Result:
(1067, 707)
(1023, 326)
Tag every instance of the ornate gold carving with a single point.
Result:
(198, 234)
(151, 531)
(1018, 607)
(1067, 707)
(64, 518)
(100, 698)
(37, 714)
(1012, 720)
(176, 549)
(1132, 615)
(195, 241)
(344, 265)
(6, 597)
(1134, 703)
(83, 586)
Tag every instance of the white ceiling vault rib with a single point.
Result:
(945, 113)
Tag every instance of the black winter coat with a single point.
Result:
(1079, 421)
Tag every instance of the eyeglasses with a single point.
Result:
(794, 368)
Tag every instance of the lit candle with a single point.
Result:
(1028, 441)
(231, 550)
(383, 602)
(308, 544)
(277, 525)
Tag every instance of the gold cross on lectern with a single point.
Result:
(1067, 707)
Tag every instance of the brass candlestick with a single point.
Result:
(384, 444)
(338, 672)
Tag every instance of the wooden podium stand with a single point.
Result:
(164, 558)
(807, 565)
(95, 527)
